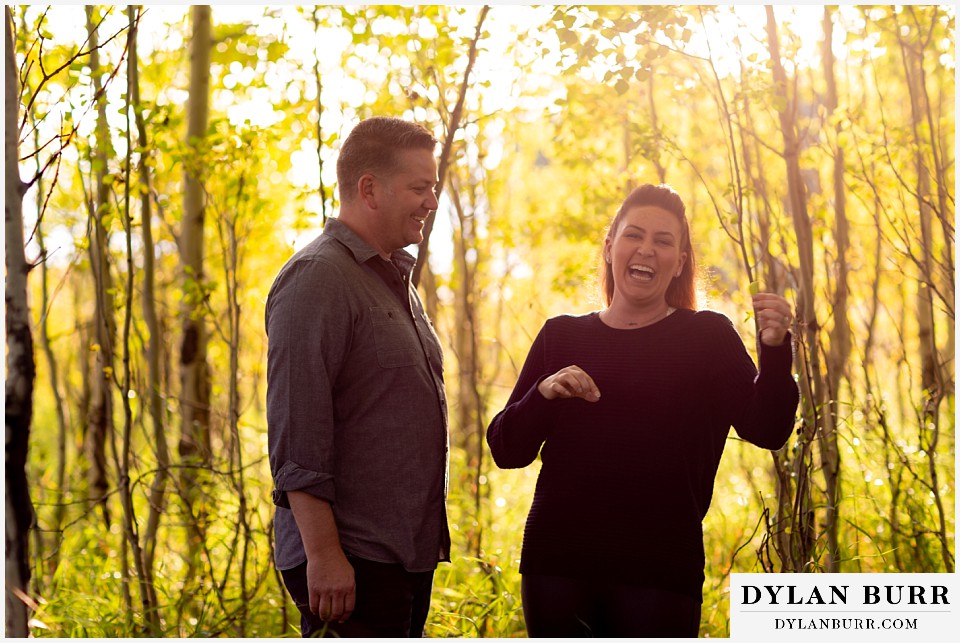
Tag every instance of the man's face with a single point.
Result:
(405, 199)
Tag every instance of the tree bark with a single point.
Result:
(840, 335)
(808, 358)
(131, 528)
(931, 371)
(470, 409)
(53, 366)
(655, 126)
(100, 424)
(21, 370)
(194, 376)
(941, 179)
(319, 82)
(154, 346)
(445, 153)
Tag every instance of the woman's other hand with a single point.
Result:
(571, 381)
(773, 317)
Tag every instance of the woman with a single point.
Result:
(632, 406)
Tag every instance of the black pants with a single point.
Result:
(556, 606)
(390, 602)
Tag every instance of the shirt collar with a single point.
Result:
(363, 251)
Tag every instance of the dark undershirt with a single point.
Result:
(391, 274)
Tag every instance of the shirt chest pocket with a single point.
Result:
(396, 339)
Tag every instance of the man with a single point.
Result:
(356, 412)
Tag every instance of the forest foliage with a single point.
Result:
(172, 158)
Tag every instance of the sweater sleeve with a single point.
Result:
(762, 405)
(516, 433)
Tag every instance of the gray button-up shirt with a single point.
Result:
(356, 411)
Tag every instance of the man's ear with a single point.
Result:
(367, 190)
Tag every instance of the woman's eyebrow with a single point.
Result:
(660, 233)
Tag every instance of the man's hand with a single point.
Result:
(330, 581)
(331, 586)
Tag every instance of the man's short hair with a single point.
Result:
(372, 148)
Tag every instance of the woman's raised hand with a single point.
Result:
(773, 316)
(571, 381)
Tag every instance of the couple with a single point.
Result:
(628, 408)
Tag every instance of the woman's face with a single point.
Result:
(645, 255)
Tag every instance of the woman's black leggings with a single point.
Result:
(556, 606)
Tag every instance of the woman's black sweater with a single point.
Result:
(627, 480)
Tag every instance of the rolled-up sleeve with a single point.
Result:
(308, 330)
(293, 477)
